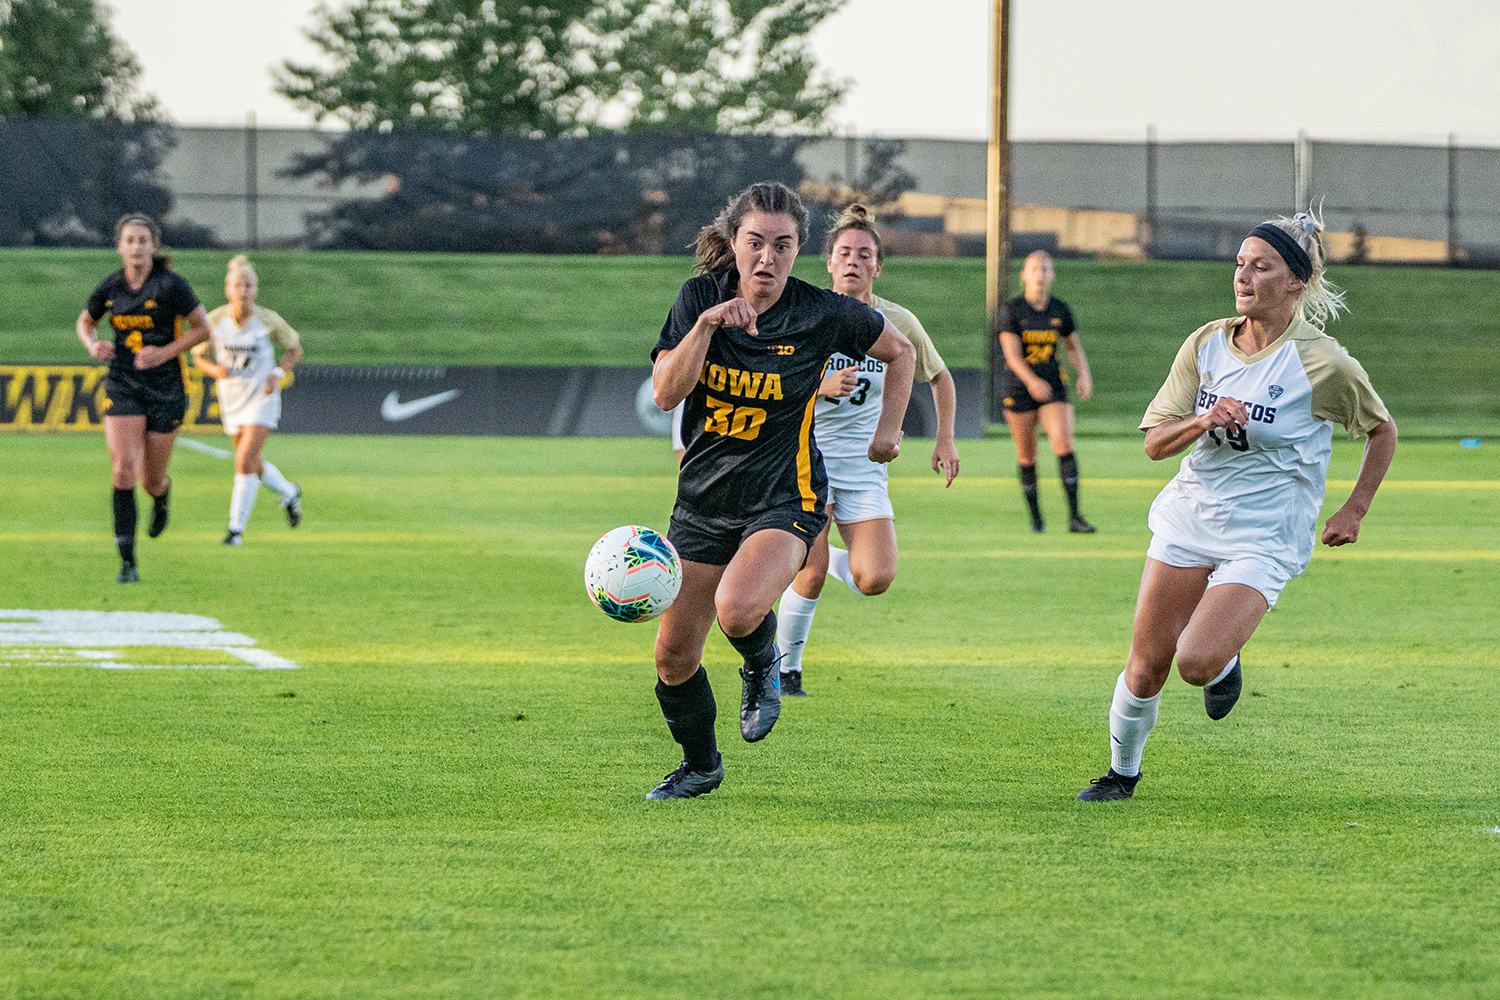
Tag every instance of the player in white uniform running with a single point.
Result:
(844, 420)
(248, 381)
(1255, 397)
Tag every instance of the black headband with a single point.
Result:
(1291, 251)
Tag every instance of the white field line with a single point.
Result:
(205, 449)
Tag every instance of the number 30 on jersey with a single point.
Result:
(741, 422)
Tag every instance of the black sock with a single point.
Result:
(1028, 490)
(756, 647)
(125, 518)
(1067, 468)
(690, 712)
(161, 501)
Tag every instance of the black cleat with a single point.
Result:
(1219, 698)
(293, 507)
(160, 510)
(233, 538)
(128, 574)
(760, 698)
(1038, 526)
(791, 684)
(685, 783)
(1111, 787)
(1078, 526)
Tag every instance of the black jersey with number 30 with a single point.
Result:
(147, 316)
(748, 423)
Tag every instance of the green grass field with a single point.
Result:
(1426, 336)
(445, 800)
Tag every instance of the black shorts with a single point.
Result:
(1018, 400)
(163, 408)
(715, 540)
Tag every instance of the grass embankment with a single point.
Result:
(1427, 337)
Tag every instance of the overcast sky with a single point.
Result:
(1086, 69)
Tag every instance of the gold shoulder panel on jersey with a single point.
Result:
(1341, 390)
(1178, 395)
(279, 330)
(929, 362)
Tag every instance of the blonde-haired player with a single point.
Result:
(1255, 397)
(248, 379)
(848, 408)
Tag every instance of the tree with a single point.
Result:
(80, 145)
(498, 67)
(59, 60)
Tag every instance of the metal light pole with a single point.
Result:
(997, 229)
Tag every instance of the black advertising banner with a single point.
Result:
(421, 399)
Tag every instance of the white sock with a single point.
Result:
(271, 478)
(794, 618)
(242, 500)
(1130, 722)
(838, 568)
(1225, 672)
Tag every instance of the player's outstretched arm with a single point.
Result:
(87, 329)
(1080, 363)
(900, 359)
(945, 401)
(199, 354)
(678, 369)
(1173, 437)
(196, 333)
(1342, 527)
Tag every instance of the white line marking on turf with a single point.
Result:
(85, 638)
(206, 449)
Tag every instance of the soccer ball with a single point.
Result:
(632, 574)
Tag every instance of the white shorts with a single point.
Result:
(857, 489)
(239, 408)
(1265, 574)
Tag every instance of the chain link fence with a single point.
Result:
(65, 183)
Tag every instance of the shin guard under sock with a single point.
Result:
(793, 626)
(1131, 720)
(125, 520)
(756, 647)
(1028, 490)
(1067, 468)
(690, 711)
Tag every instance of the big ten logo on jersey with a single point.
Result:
(1039, 345)
(734, 420)
(782, 349)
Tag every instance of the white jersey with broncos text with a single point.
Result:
(845, 426)
(1257, 491)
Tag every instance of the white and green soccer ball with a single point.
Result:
(632, 574)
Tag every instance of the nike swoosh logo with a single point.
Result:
(395, 411)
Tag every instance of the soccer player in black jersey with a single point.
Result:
(1032, 326)
(745, 345)
(155, 318)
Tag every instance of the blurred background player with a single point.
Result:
(845, 417)
(146, 388)
(1255, 397)
(746, 345)
(1034, 386)
(247, 380)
